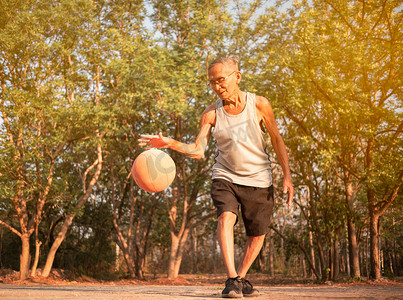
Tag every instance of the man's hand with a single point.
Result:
(288, 189)
(154, 141)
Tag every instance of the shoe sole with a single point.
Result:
(252, 295)
(231, 295)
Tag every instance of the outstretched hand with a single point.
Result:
(153, 141)
(288, 189)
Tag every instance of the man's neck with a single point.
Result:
(236, 100)
(235, 105)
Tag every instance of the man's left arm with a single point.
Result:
(266, 115)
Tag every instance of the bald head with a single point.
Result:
(231, 61)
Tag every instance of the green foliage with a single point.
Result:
(331, 71)
(74, 74)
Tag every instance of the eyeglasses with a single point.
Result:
(220, 81)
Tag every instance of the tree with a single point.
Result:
(45, 112)
(190, 31)
(80, 82)
(337, 78)
(32, 133)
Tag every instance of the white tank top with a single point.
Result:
(241, 156)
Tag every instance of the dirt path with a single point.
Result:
(182, 292)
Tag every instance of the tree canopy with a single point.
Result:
(81, 80)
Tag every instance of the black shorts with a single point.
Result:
(256, 204)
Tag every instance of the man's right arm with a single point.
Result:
(194, 150)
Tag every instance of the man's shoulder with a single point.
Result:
(209, 114)
(210, 109)
(261, 102)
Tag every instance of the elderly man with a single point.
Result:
(241, 176)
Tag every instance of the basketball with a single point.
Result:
(153, 170)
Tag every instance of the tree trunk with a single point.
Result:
(38, 244)
(37, 253)
(141, 238)
(392, 270)
(127, 255)
(347, 259)
(365, 252)
(117, 258)
(375, 264)
(271, 253)
(25, 257)
(122, 243)
(303, 266)
(194, 251)
(322, 259)
(140, 262)
(375, 268)
(87, 193)
(316, 228)
(353, 250)
(125, 246)
(175, 258)
(56, 244)
(312, 255)
(331, 260)
(336, 259)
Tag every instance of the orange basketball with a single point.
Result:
(153, 170)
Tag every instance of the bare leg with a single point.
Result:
(225, 236)
(252, 249)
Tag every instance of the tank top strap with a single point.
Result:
(218, 103)
(251, 101)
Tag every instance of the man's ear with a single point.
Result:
(238, 77)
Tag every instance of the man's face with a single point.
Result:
(224, 80)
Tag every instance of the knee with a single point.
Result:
(227, 218)
(257, 239)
